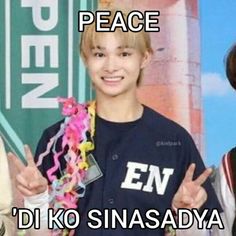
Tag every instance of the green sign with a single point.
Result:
(39, 62)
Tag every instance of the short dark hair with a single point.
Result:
(230, 66)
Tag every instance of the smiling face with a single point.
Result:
(115, 60)
(114, 68)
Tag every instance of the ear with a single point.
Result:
(84, 60)
(146, 59)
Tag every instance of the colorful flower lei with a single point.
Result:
(77, 133)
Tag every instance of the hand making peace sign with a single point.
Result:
(29, 180)
(191, 194)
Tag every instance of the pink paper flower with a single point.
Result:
(69, 106)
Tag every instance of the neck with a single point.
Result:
(119, 109)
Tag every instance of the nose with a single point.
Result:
(111, 64)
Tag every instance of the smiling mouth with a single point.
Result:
(112, 78)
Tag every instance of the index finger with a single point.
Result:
(203, 177)
(189, 173)
(29, 156)
(16, 161)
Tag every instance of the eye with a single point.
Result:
(99, 54)
(125, 54)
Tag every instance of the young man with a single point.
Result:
(107, 155)
(225, 184)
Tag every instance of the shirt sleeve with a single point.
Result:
(227, 200)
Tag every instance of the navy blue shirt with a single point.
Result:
(128, 154)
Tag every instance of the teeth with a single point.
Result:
(118, 78)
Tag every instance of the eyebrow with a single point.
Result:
(98, 47)
(103, 48)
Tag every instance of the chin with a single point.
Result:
(115, 91)
(110, 93)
